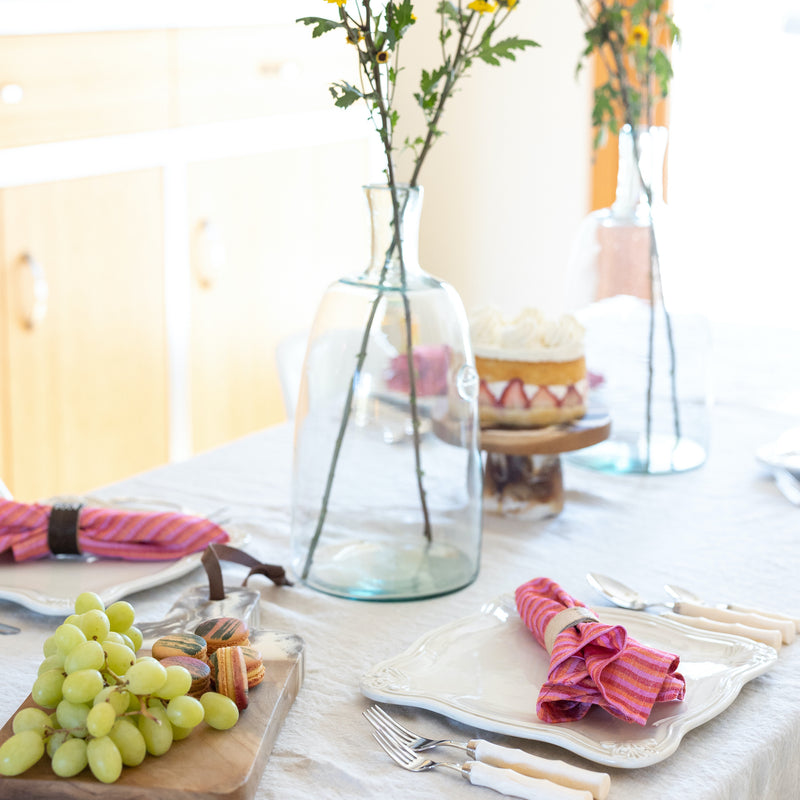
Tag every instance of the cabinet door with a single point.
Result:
(269, 233)
(84, 394)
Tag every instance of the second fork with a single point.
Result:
(598, 783)
(505, 781)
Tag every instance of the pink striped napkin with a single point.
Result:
(32, 531)
(595, 664)
(431, 371)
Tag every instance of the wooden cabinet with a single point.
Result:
(188, 195)
(84, 387)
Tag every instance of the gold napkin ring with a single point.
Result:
(566, 619)
(62, 529)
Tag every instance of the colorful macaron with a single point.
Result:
(180, 644)
(229, 672)
(199, 671)
(255, 666)
(223, 632)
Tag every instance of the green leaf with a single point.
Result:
(663, 71)
(429, 80)
(399, 16)
(449, 10)
(345, 94)
(492, 53)
(322, 25)
(426, 101)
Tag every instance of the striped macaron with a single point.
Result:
(229, 673)
(255, 666)
(199, 671)
(180, 644)
(223, 632)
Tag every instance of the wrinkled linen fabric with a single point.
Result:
(595, 664)
(108, 533)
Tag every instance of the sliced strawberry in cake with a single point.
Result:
(485, 396)
(544, 398)
(572, 398)
(514, 395)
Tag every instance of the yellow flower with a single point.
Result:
(482, 6)
(338, 2)
(509, 4)
(639, 36)
(354, 36)
(382, 57)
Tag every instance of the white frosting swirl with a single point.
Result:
(485, 326)
(530, 336)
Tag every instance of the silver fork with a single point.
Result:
(380, 720)
(505, 781)
(598, 783)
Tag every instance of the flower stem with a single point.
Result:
(375, 79)
(656, 291)
(397, 241)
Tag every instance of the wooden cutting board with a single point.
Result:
(207, 765)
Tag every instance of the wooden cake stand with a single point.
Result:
(522, 472)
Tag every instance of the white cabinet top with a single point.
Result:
(21, 17)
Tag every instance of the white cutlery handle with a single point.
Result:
(772, 638)
(515, 784)
(770, 614)
(598, 783)
(751, 619)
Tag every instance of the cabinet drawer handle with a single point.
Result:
(40, 292)
(211, 255)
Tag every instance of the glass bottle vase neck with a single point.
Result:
(650, 150)
(394, 259)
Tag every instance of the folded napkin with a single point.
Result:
(37, 531)
(431, 371)
(592, 663)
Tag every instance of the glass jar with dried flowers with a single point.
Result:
(648, 362)
(387, 474)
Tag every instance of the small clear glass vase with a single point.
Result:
(647, 356)
(387, 484)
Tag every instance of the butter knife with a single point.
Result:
(684, 595)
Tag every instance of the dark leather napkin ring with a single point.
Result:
(62, 529)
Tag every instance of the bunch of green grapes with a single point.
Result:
(100, 704)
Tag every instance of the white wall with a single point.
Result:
(507, 187)
(734, 166)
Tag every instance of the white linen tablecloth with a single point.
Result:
(723, 531)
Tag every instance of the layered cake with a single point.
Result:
(532, 369)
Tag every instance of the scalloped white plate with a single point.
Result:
(50, 586)
(486, 670)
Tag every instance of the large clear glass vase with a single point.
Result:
(387, 478)
(647, 350)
